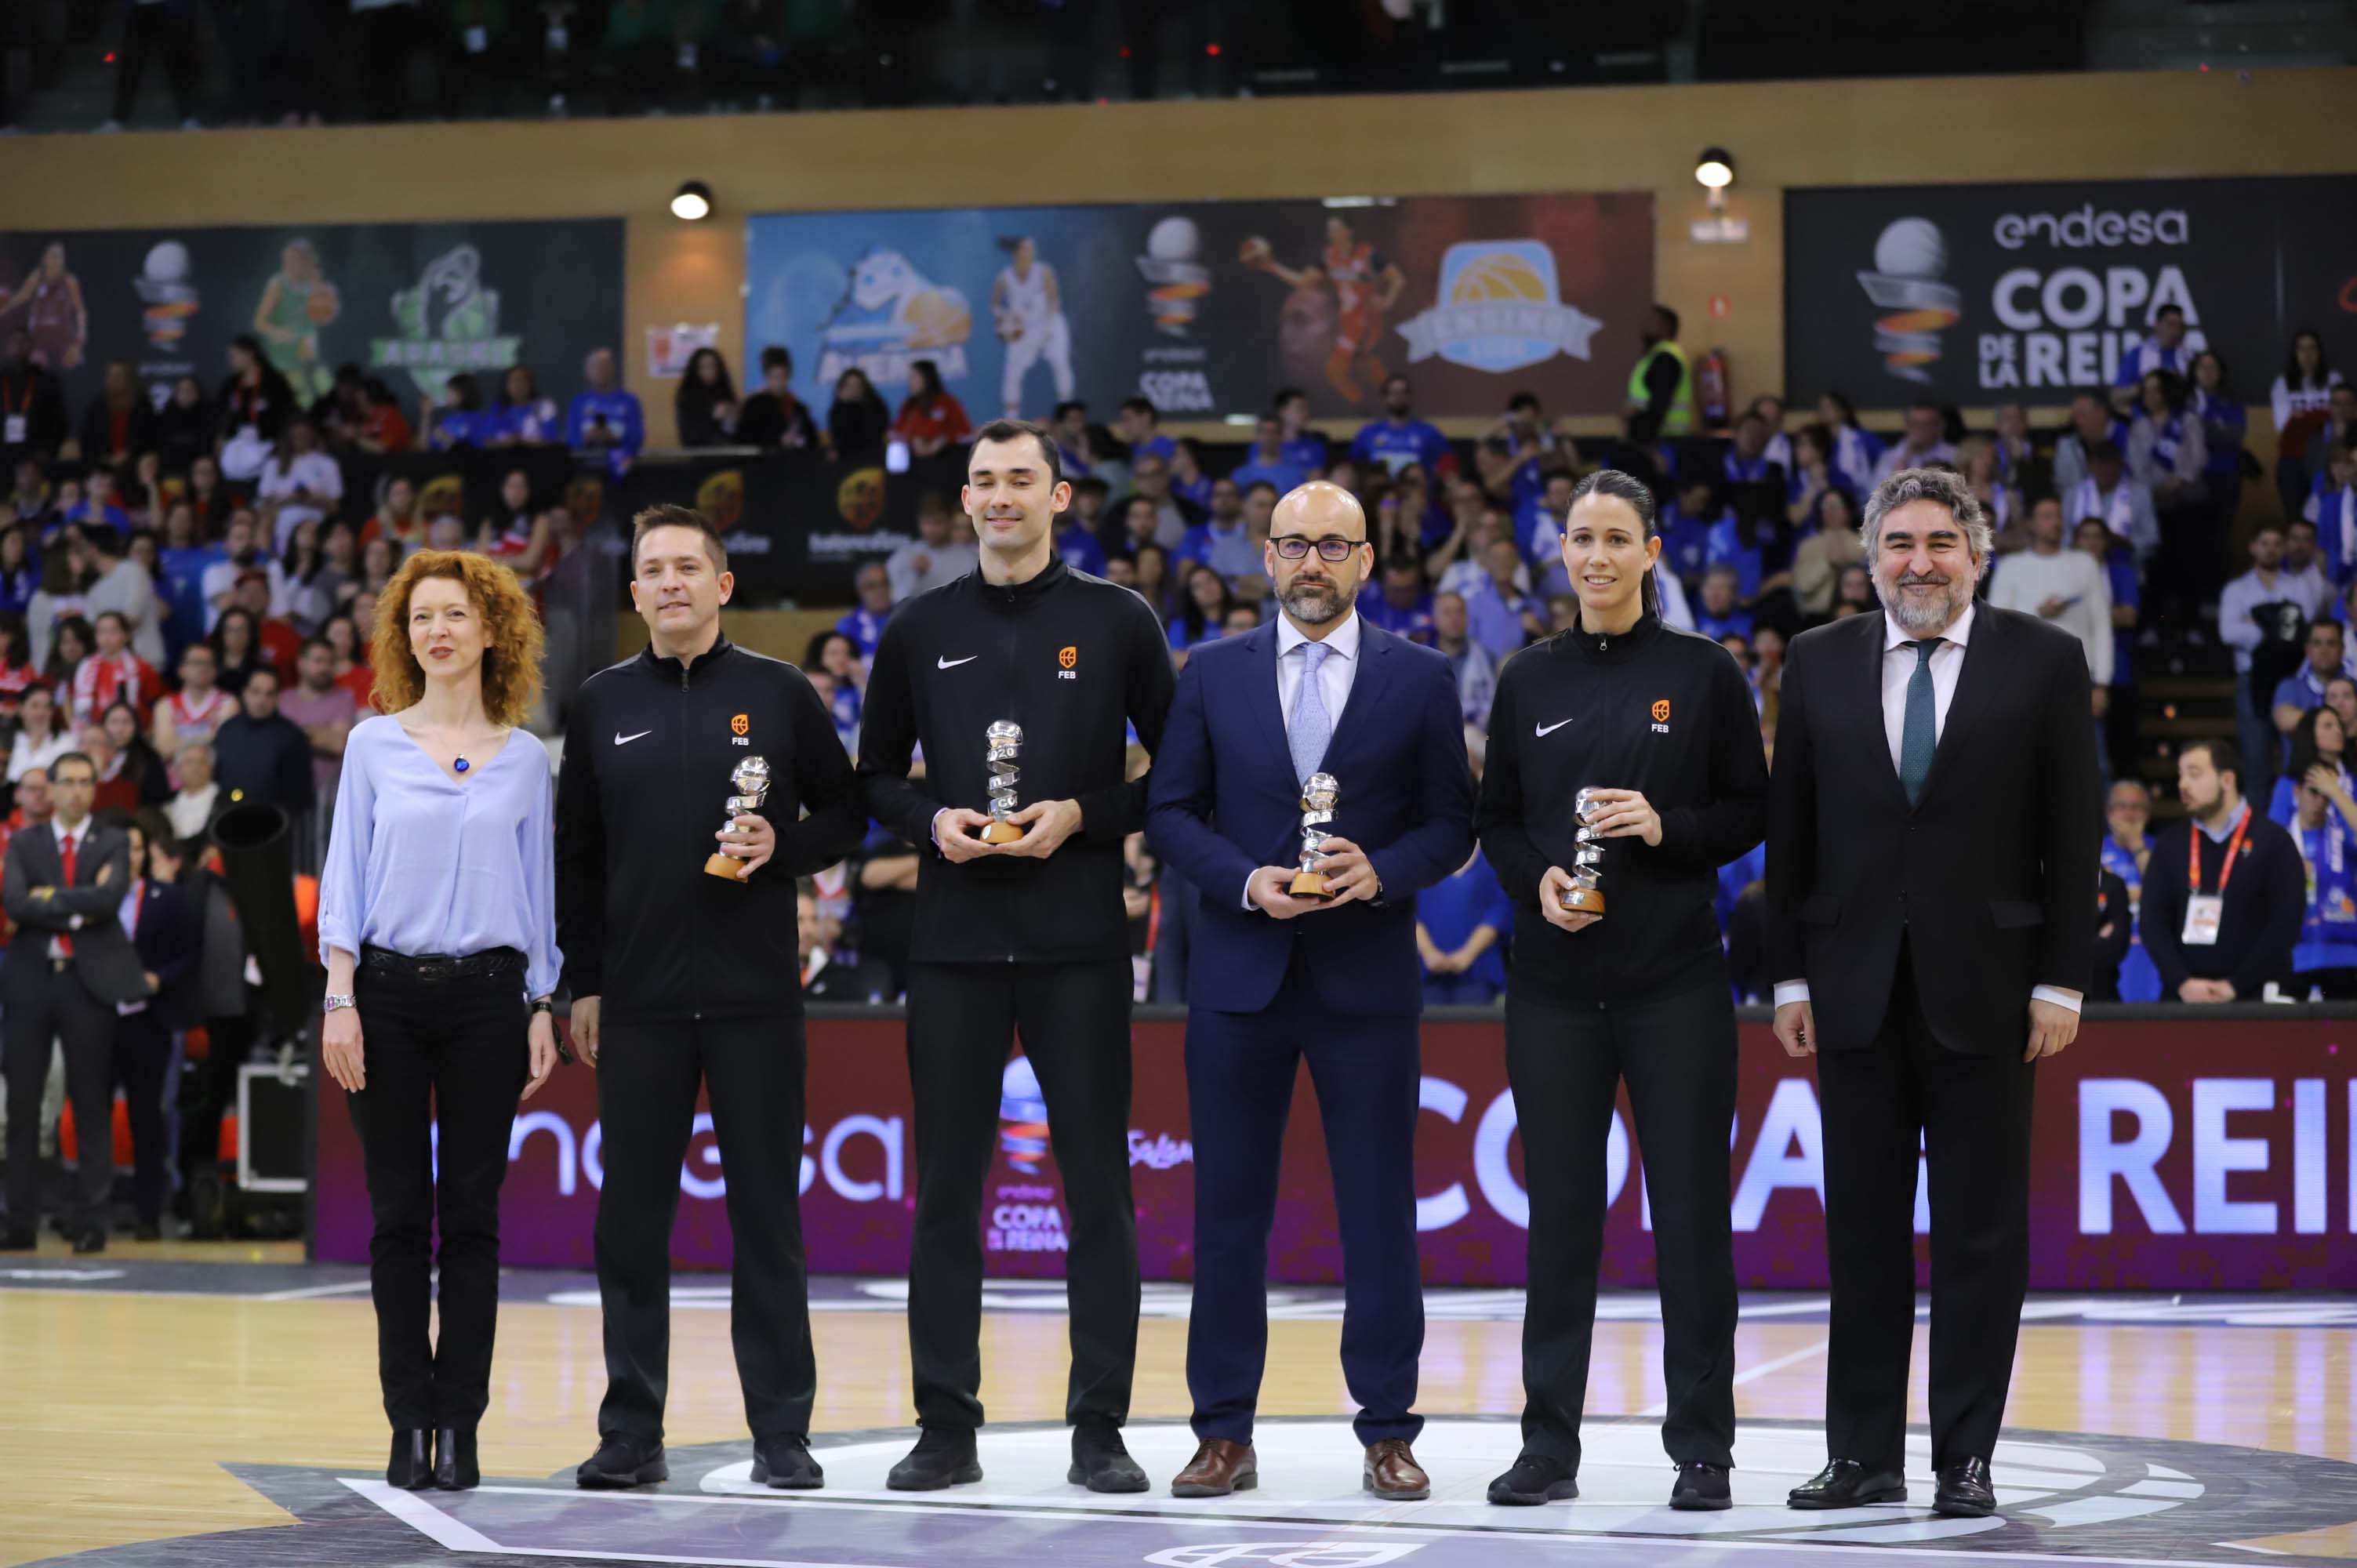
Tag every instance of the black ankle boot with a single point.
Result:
(411, 1466)
(454, 1460)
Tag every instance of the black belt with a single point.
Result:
(442, 966)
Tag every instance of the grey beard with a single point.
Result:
(1316, 604)
(1919, 620)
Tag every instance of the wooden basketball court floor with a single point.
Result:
(199, 1405)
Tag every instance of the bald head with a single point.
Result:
(1317, 509)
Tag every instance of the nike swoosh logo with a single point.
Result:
(621, 739)
(940, 664)
(1543, 731)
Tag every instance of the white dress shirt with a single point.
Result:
(1898, 670)
(1334, 678)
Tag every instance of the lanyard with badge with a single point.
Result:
(15, 424)
(2204, 911)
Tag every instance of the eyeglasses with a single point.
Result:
(1333, 547)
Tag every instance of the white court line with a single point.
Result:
(402, 1504)
(1751, 1374)
(349, 1287)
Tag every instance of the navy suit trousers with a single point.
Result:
(1240, 1077)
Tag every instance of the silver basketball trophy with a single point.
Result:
(750, 780)
(1005, 741)
(1319, 793)
(1585, 893)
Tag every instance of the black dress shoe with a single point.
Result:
(620, 1463)
(1847, 1483)
(1535, 1479)
(147, 1230)
(785, 1463)
(90, 1242)
(1701, 1488)
(20, 1239)
(411, 1468)
(1100, 1461)
(943, 1456)
(1966, 1490)
(455, 1469)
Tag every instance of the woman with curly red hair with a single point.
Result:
(438, 925)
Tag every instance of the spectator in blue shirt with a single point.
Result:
(1461, 925)
(1400, 604)
(1719, 614)
(1077, 543)
(1266, 462)
(865, 625)
(2331, 506)
(1303, 448)
(1500, 610)
(2324, 960)
(1141, 428)
(522, 417)
(1399, 438)
(462, 420)
(2296, 694)
(606, 420)
(97, 504)
(1187, 479)
(1685, 525)
(1202, 612)
(2166, 350)
(1855, 453)
(2225, 426)
(1222, 542)
(2319, 742)
(1538, 522)
(1072, 443)
(2128, 812)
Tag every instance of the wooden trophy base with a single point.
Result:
(1583, 900)
(1309, 885)
(1001, 833)
(718, 864)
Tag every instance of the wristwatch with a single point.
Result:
(335, 1002)
(544, 1004)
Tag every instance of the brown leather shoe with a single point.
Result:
(1218, 1468)
(1392, 1473)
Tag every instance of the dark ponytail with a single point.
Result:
(1627, 487)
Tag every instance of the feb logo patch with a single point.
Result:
(1662, 711)
(740, 725)
(1068, 657)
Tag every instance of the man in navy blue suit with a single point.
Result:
(1272, 978)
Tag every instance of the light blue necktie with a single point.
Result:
(1311, 728)
(1920, 736)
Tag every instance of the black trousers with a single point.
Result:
(143, 1053)
(146, 27)
(1073, 1019)
(1970, 1114)
(48, 1004)
(1676, 1050)
(209, 1087)
(448, 1054)
(647, 1075)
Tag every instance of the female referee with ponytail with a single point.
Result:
(1661, 723)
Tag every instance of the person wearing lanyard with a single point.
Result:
(1659, 725)
(2223, 901)
(2324, 961)
(2127, 849)
(438, 925)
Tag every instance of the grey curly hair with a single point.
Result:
(1942, 486)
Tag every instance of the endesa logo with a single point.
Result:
(2087, 228)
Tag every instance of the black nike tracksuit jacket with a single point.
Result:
(1076, 661)
(644, 788)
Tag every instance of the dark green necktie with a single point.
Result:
(1919, 737)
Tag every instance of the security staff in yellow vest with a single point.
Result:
(1661, 386)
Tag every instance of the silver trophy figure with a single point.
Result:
(750, 780)
(1585, 893)
(1005, 740)
(1319, 793)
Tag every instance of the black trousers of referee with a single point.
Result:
(1073, 1020)
(1676, 1050)
(647, 1075)
(1972, 1116)
(452, 1052)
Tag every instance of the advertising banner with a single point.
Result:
(414, 303)
(2167, 1156)
(1209, 307)
(1982, 294)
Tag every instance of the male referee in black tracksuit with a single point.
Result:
(1028, 936)
(682, 978)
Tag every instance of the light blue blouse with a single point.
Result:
(422, 863)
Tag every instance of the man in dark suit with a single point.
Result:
(1931, 858)
(165, 936)
(69, 965)
(1272, 978)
